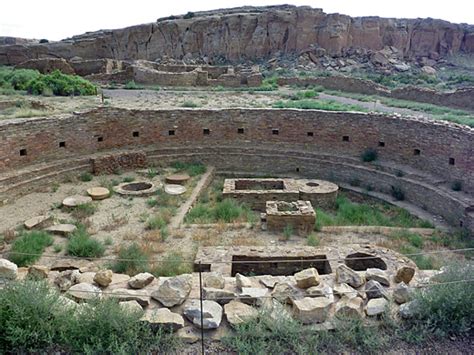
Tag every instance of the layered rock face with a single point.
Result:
(255, 33)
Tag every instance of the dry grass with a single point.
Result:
(246, 239)
(207, 237)
(114, 222)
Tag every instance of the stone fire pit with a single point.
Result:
(139, 188)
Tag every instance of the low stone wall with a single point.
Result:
(146, 76)
(47, 65)
(299, 215)
(113, 163)
(459, 99)
(96, 66)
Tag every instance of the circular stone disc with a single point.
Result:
(98, 193)
(73, 201)
(177, 179)
(175, 189)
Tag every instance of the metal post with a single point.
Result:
(200, 299)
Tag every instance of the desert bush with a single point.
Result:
(131, 260)
(312, 240)
(61, 85)
(85, 177)
(456, 185)
(155, 222)
(172, 264)
(445, 309)
(397, 193)
(370, 154)
(33, 242)
(81, 244)
(83, 211)
(189, 104)
(34, 319)
(288, 232)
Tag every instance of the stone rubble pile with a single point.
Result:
(173, 302)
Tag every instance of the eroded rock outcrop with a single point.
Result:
(251, 33)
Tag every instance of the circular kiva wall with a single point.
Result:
(421, 158)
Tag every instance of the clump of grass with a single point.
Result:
(85, 177)
(81, 244)
(348, 213)
(131, 260)
(172, 264)
(155, 222)
(397, 193)
(312, 240)
(288, 232)
(57, 248)
(83, 211)
(189, 104)
(192, 168)
(227, 211)
(151, 173)
(370, 154)
(30, 243)
(328, 105)
(128, 179)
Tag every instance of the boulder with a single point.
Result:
(189, 334)
(173, 291)
(377, 275)
(350, 307)
(65, 279)
(214, 280)
(344, 274)
(374, 289)
(307, 278)
(376, 306)
(62, 229)
(84, 292)
(238, 312)
(344, 290)
(218, 294)
(286, 292)
(242, 281)
(253, 295)
(141, 280)
(211, 312)
(123, 294)
(37, 222)
(428, 70)
(87, 276)
(163, 317)
(98, 193)
(405, 274)
(8, 270)
(131, 306)
(103, 278)
(38, 271)
(76, 200)
(402, 293)
(271, 281)
(322, 290)
(312, 310)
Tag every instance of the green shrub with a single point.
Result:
(189, 104)
(85, 177)
(189, 15)
(156, 222)
(398, 193)
(370, 154)
(172, 264)
(445, 309)
(81, 244)
(61, 85)
(33, 242)
(128, 179)
(35, 319)
(131, 85)
(131, 260)
(456, 185)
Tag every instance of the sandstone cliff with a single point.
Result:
(255, 33)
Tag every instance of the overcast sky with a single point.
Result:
(58, 19)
